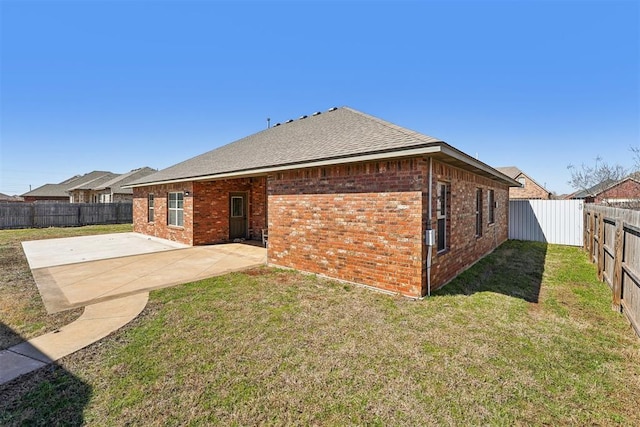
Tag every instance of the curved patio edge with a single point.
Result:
(96, 322)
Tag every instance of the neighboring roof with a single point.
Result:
(48, 190)
(7, 198)
(94, 183)
(593, 191)
(115, 184)
(60, 190)
(339, 135)
(513, 173)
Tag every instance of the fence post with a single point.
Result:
(617, 265)
(601, 247)
(585, 230)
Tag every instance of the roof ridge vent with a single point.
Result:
(333, 109)
(317, 113)
(302, 117)
(289, 121)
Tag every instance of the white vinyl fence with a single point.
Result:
(550, 221)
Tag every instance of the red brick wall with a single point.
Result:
(464, 248)
(628, 189)
(206, 210)
(360, 223)
(531, 190)
(159, 227)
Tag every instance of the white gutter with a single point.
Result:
(429, 237)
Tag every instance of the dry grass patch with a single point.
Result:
(277, 347)
(22, 313)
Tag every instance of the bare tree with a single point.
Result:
(594, 179)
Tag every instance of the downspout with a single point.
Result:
(429, 233)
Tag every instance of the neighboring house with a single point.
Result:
(12, 199)
(529, 188)
(59, 193)
(112, 191)
(86, 192)
(93, 187)
(611, 192)
(343, 194)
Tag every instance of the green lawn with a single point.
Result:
(525, 337)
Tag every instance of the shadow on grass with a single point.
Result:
(515, 269)
(48, 396)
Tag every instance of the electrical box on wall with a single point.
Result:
(430, 237)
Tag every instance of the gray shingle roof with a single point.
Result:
(511, 171)
(333, 134)
(48, 190)
(60, 190)
(115, 184)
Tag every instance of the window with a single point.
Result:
(151, 208)
(176, 209)
(442, 212)
(478, 212)
(491, 202)
(522, 181)
(237, 210)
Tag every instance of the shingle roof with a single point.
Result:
(115, 184)
(48, 190)
(593, 191)
(94, 183)
(511, 171)
(60, 190)
(340, 133)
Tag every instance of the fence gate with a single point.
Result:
(549, 221)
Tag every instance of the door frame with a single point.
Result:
(245, 206)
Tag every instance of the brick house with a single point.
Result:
(114, 191)
(343, 194)
(623, 192)
(529, 188)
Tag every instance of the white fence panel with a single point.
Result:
(550, 221)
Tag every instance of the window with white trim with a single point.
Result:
(176, 209)
(478, 212)
(442, 214)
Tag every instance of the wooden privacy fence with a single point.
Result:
(549, 221)
(40, 215)
(612, 240)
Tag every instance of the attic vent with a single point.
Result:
(333, 109)
(289, 121)
(317, 113)
(302, 117)
(277, 124)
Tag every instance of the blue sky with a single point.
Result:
(116, 85)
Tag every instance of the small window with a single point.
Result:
(491, 202)
(151, 208)
(478, 212)
(176, 209)
(442, 213)
(522, 181)
(237, 208)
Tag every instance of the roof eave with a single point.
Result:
(432, 148)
